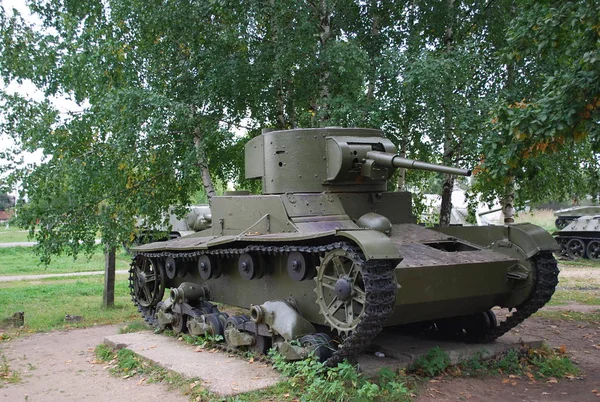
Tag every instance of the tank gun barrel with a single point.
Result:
(390, 160)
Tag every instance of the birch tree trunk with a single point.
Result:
(449, 151)
(207, 182)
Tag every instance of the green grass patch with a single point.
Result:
(46, 303)
(312, 381)
(13, 234)
(535, 364)
(24, 261)
(593, 317)
(434, 362)
(590, 297)
(580, 262)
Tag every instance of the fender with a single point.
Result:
(374, 244)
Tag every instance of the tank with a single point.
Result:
(197, 219)
(580, 238)
(565, 216)
(326, 257)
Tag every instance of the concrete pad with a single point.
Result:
(399, 351)
(228, 375)
(220, 373)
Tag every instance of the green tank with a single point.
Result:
(565, 216)
(580, 238)
(326, 256)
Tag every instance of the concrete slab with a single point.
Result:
(399, 351)
(228, 375)
(220, 373)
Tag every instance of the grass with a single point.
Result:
(540, 217)
(24, 261)
(533, 363)
(593, 317)
(46, 302)
(12, 234)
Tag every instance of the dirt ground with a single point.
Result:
(60, 366)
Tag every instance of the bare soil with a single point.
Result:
(61, 366)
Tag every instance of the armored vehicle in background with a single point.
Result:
(197, 219)
(326, 256)
(580, 238)
(566, 216)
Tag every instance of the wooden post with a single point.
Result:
(108, 299)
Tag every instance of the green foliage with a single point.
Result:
(509, 363)
(162, 93)
(340, 383)
(434, 362)
(205, 340)
(104, 353)
(537, 363)
(548, 363)
(128, 361)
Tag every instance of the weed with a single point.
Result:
(104, 353)
(6, 375)
(434, 362)
(207, 340)
(550, 363)
(127, 361)
(509, 363)
(534, 363)
(341, 383)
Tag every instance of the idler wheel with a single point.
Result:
(575, 248)
(300, 266)
(207, 267)
(249, 267)
(593, 250)
(148, 281)
(323, 347)
(170, 268)
(340, 290)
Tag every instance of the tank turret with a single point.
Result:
(328, 159)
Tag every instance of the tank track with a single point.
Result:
(378, 278)
(547, 278)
